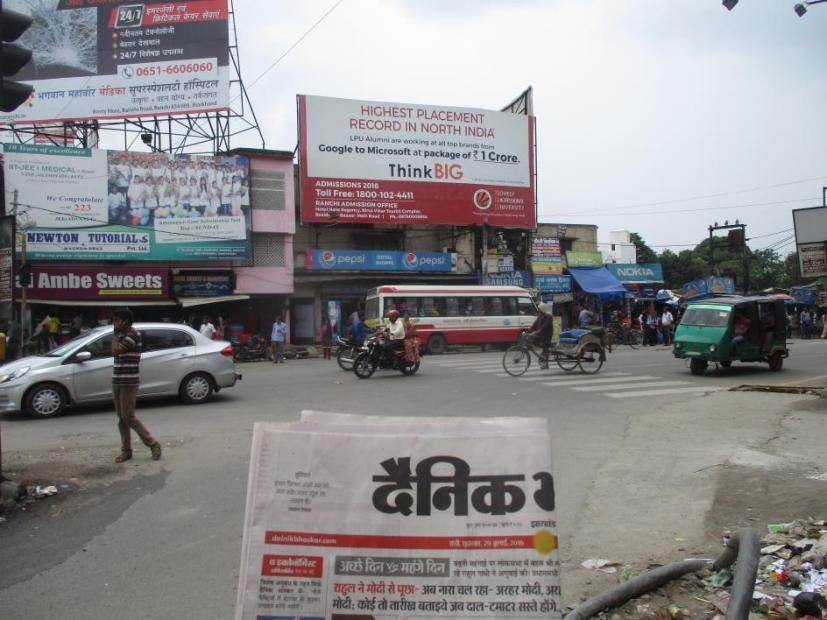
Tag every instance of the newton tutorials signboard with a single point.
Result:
(90, 204)
(116, 59)
(378, 163)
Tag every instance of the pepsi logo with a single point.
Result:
(411, 260)
(327, 259)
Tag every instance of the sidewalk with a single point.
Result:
(723, 461)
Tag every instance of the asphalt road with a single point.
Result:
(162, 539)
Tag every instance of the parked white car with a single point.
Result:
(176, 360)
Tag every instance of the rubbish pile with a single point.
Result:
(791, 582)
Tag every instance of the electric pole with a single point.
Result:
(737, 240)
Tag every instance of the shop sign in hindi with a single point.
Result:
(202, 284)
(119, 59)
(545, 255)
(359, 516)
(552, 283)
(370, 260)
(379, 163)
(584, 259)
(90, 204)
(99, 283)
(812, 260)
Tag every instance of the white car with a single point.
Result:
(176, 360)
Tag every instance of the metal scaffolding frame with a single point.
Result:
(203, 133)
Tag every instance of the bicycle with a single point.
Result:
(628, 336)
(517, 358)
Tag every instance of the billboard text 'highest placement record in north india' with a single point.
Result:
(117, 59)
(394, 163)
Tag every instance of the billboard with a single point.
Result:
(636, 272)
(545, 255)
(117, 59)
(584, 259)
(811, 241)
(90, 204)
(370, 260)
(552, 283)
(812, 259)
(396, 163)
(98, 283)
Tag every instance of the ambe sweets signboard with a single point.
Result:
(103, 283)
(89, 204)
(373, 162)
(116, 59)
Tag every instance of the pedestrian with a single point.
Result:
(76, 326)
(824, 324)
(277, 337)
(357, 329)
(326, 337)
(54, 331)
(651, 336)
(806, 321)
(585, 317)
(207, 329)
(666, 320)
(126, 350)
(219, 330)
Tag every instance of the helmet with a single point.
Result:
(544, 307)
(393, 314)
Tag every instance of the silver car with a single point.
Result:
(176, 360)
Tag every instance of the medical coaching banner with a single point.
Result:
(395, 163)
(90, 204)
(94, 59)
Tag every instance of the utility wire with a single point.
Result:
(694, 210)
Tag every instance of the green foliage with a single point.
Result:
(645, 254)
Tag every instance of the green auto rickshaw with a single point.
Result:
(732, 328)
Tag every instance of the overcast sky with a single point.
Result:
(637, 101)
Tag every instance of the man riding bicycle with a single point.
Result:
(543, 330)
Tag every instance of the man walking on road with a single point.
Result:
(666, 320)
(126, 349)
(277, 337)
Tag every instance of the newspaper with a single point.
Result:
(354, 517)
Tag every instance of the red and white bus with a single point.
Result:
(444, 315)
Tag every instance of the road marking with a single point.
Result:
(569, 375)
(582, 381)
(691, 390)
(469, 364)
(631, 386)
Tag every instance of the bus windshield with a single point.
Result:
(706, 317)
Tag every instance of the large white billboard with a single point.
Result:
(380, 162)
(118, 59)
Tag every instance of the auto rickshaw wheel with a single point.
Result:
(698, 367)
(589, 359)
(776, 362)
(726, 363)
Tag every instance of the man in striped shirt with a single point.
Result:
(126, 349)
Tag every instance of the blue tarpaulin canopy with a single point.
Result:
(598, 281)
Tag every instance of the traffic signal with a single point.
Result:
(12, 59)
(25, 275)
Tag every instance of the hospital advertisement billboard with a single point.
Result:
(397, 163)
(91, 204)
(119, 59)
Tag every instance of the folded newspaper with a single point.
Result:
(358, 517)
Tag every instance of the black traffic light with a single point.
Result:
(25, 275)
(12, 59)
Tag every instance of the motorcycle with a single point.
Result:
(251, 350)
(346, 351)
(374, 355)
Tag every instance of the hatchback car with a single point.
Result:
(176, 360)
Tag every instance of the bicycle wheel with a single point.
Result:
(634, 338)
(516, 360)
(566, 363)
(589, 359)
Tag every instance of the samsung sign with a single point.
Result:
(636, 273)
(368, 260)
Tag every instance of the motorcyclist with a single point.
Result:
(395, 329)
(543, 329)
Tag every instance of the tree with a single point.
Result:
(644, 253)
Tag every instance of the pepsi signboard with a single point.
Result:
(368, 260)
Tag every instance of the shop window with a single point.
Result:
(268, 249)
(267, 190)
(494, 306)
(525, 306)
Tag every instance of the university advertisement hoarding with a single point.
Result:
(98, 283)
(117, 59)
(89, 204)
(372, 162)
(369, 260)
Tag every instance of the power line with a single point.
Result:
(769, 234)
(292, 47)
(696, 210)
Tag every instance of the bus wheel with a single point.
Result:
(436, 344)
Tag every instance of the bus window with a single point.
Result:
(477, 306)
(494, 306)
(509, 306)
(372, 308)
(525, 306)
(451, 307)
